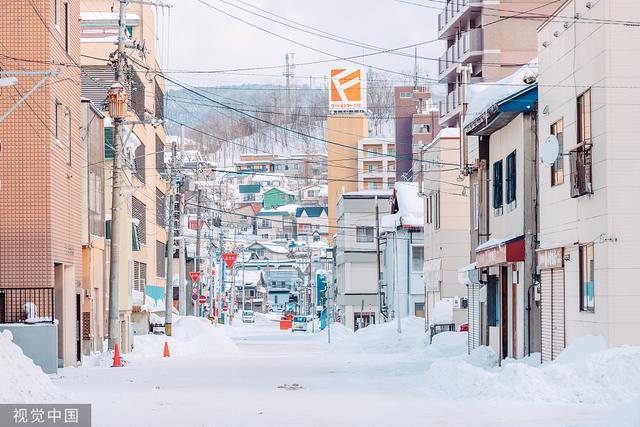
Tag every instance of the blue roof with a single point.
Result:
(249, 188)
(313, 211)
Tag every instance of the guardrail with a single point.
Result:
(27, 305)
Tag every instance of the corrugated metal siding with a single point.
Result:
(96, 81)
(474, 316)
(557, 312)
(546, 293)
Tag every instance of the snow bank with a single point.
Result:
(581, 348)
(609, 376)
(442, 312)
(21, 380)
(384, 338)
(191, 336)
(448, 344)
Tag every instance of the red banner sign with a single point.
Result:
(229, 258)
(195, 275)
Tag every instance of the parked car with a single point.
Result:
(299, 323)
(248, 316)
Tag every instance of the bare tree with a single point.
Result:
(380, 101)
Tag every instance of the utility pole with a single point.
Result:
(197, 260)
(221, 276)
(464, 145)
(182, 256)
(242, 260)
(395, 280)
(232, 309)
(118, 115)
(378, 269)
(168, 294)
(211, 279)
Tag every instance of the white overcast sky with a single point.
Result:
(205, 39)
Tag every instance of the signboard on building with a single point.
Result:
(348, 90)
(550, 258)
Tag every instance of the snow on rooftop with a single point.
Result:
(369, 193)
(483, 95)
(448, 133)
(410, 207)
(250, 276)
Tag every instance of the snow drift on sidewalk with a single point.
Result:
(191, 336)
(586, 376)
(21, 381)
(384, 338)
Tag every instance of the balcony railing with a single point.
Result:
(470, 41)
(27, 305)
(451, 103)
(451, 11)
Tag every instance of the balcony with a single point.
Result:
(454, 11)
(468, 48)
(450, 106)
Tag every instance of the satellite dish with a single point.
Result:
(550, 150)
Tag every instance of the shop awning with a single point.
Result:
(500, 251)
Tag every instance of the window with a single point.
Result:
(57, 13)
(67, 142)
(557, 168)
(139, 276)
(66, 26)
(161, 253)
(475, 199)
(511, 178)
(315, 172)
(160, 156)
(580, 158)
(497, 187)
(371, 167)
(265, 223)
(161, 206)
(58, 121)
(364, 234)
(405, 95)
(587, 278)
(391, 150)
(436, 214)
(108, 142)
(392, 166)
(428, 214)
(417, 258)
(421, 128)
(140, 162)
(139, 212)
(265, 236)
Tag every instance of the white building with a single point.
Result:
(403, 252)
(358, 299)
(376, 164)
(446, 224)
(589, 205)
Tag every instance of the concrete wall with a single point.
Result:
(38, 342)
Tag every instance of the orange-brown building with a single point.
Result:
(40, 233)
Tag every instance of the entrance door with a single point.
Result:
(552, 312)
(504, 312)
(362, 320)
(419, 309)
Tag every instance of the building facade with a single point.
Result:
(376, 163)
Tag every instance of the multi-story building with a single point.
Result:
(315, 195)
(313, 223)
(254, 162)
(356, 252)
(40, 172)
(589, 214)
(376, 163)
(143, 270)
(402, 231)
(94, 257)
(276, 225)
(302, 169)
(416, 123)
(446, 225)
(505, 119)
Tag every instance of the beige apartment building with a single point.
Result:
(589, 209)
(376, 163)
(40, 233)
(143, 273)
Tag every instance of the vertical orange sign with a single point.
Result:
(347, 90)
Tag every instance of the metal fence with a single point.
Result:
(27, 305)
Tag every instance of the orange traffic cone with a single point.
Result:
(117, 363)
(166, 350)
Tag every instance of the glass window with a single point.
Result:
(364, 234)
(436, 214)
(557, 168)
(417, 258)
(57, 13)
(67, 141)
(58, 121)
(405, 95)
(587, 273)
(511, 178)
(497, 185)
(475, 199)
(584, 118)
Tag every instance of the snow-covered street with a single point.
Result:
(255, 374)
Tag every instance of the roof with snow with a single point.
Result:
(485, 97)
(312, 211)
(250, 277)
(368, 194)
(271, 247)
(282, 190)
(407, 208)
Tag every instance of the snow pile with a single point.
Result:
(191, 336)
(339, 333)
(20, 379)
(442, 312)
(581, 348)
(384, 338)
(410, 207)
(585, 376)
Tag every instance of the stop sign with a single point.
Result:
(202, 299)
(225, 309)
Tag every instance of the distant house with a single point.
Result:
(277, 225)
(268, 250)
(276, 197)
(312, 221)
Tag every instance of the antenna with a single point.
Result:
(550, 150)
(415, 68)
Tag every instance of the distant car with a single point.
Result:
(299, 324)
(248, 316)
